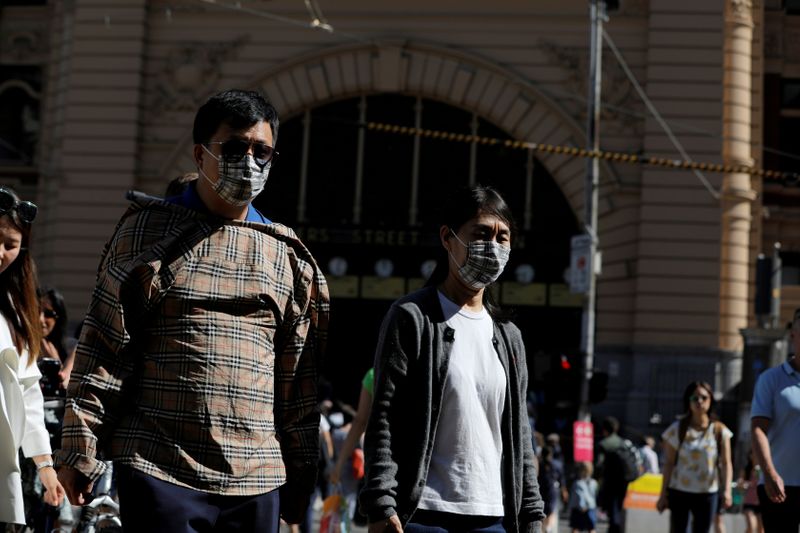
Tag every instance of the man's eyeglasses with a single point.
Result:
(25, 210)
(697, 398)
(233, 150)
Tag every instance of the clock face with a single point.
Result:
(524, 273)
(384, 268)
(426, 269)
(337, 266)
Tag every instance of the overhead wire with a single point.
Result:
(656, 115)
(318, 21)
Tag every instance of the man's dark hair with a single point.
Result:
(610, 425)
(238, 109)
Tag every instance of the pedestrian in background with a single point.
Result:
(583, 500)
(748, 484)
(552, 485)
(697, 462)
(53, 317)
(775, 425)
(618, 463)
(22, 413)
(649, 455)
(448, 444)
(198, 363)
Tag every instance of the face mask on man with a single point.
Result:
(239, 182)
(485, 262)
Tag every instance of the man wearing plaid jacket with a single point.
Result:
(196, 371)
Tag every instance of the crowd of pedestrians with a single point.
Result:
(196, 373)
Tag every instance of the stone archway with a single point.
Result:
(453, 77)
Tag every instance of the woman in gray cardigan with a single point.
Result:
(448, 444)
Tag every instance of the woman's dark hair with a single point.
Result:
(19, 281)
(690, 390)
(464, 205)
(236, 108)
(58, 335)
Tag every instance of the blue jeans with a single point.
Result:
(702, 506)
(436, 522)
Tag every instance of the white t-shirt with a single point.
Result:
(465, 474)
(696, 470)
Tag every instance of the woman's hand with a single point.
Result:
(390, 525)
(54, 492)
(662, 504)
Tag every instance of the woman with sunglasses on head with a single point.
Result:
(448, 444)
(697, 463)
(20, 343)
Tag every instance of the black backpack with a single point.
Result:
(629, 459)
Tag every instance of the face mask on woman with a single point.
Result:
(485, 262)
(239, 182)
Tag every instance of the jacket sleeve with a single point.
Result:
(396, 344)
(103, 360)
(532, 510)
(298, 359)
(36, 440)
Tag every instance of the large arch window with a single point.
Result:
(365, 196)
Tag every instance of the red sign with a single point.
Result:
(583, 441)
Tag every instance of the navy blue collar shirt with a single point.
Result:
(190, 199)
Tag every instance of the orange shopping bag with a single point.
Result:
(334, 515)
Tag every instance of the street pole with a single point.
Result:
(597, 10)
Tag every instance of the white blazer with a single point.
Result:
(21, 423)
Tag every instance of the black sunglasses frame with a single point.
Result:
(26, 211)
(233, 150)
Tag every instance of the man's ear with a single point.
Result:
(444, 236)
(197, 154)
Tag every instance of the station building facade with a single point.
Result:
(98, 98)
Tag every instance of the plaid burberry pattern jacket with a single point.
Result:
(198, 359)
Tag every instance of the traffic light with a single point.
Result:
(598, 386)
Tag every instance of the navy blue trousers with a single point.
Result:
(149, 504)
(435, 522)
(780, 517)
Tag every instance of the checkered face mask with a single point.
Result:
(239, 182)
(485, 262)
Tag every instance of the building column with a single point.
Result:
(737, 192)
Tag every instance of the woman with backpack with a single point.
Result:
(697, 461)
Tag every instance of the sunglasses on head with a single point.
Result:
(25, 210)
(233, 150)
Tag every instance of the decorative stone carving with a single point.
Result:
(741, 11)
(190, 74)
(23, 47)
(618, 94)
